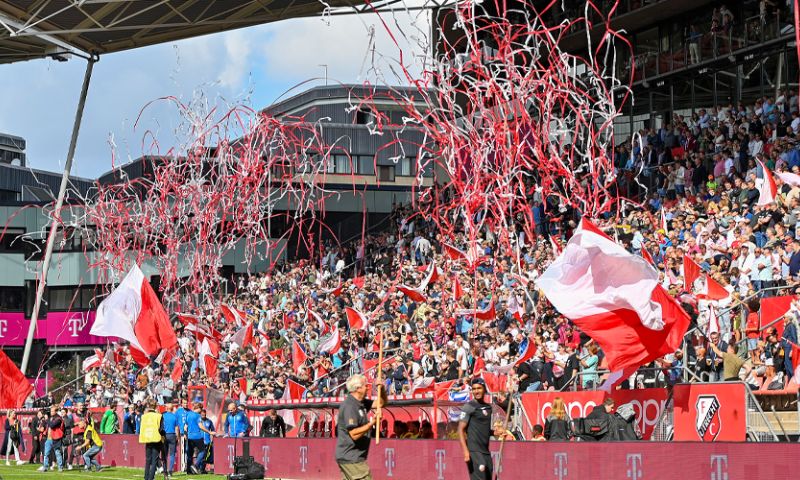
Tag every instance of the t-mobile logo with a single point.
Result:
(388, 454)
(303, 458)
(76, 325)
(634, 466)
(560, 470)
(265, 456)
(125, 450)
(231, 454)
(719, 467)
(3, 327)
(440, 464)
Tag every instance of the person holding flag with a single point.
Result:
(353, 427)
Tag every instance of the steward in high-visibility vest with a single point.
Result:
(151, 434)
(149, 430)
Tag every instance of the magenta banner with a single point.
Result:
(58, 328)
(442, 459)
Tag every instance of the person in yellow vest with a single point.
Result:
(92, 445)
(151, 434)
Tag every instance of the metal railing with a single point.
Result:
(759, 428)
(665, 423)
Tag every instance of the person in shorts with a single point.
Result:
(474, 432)
(353, 428)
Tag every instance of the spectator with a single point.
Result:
(557, 426)
(12, 438)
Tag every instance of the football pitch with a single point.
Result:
(28, 472)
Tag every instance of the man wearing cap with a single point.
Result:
(474, 432)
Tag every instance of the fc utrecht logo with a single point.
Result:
(709, 421)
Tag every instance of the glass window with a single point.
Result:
(404, 167)
(10, 241)
(366, 165)
(343, 164)
(12, 299)
(63, 299)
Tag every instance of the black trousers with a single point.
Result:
(152, 452)
(194, 448)
(480, 466)
(36, 450)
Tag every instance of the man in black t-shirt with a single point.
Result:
(353, 427)
(273, 426)
(474, 431)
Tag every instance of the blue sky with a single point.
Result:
(253, 66)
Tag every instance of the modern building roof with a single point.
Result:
(39, 28)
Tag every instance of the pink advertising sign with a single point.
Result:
(58, 328)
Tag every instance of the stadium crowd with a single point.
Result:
(703, 203)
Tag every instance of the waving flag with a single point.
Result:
(233, 315)
(713, 321)
(177, 371)
(356, 319)
(696, 281)
(244, 336)
(767, 188)
(332, 344)
(133, 312)
(207, 355)
(299, 357)
(95, 361)
(789, 178)
(487, 313)
(614, 297)
(292, 391)
(14, 387)
(413, 293)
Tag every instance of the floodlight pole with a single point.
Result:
(51, 236)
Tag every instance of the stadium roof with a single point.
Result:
(38, 28)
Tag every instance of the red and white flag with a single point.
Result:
(698, 282)
(244, 336)
(617, 377)
(177, 371)
(487, 313)
(207, 354)
(614, 297)
(356, 319)
(458, 292)
(664, 224)
(646, 255)
(472, 259)
(292, 391)
(133, 313)
(332, 344)
(767, 188)
(324, 328)
(415, 294)
(299, 357)
(233, 315)
(95, 361)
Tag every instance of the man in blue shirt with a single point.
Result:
(207, 455)
(172, 433)
(194, 439)
(181, 413)
(236, 423)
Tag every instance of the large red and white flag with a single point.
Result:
(415, 294)
(698, 282)
(233, 315)
(133, 313)
(356, 319)
(713, 321)
(767, 188)
(615, 298)
(332, 344)
(14, 387)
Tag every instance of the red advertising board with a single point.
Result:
(648, 404)
(710, 412)
(303, 459)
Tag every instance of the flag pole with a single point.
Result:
(505, 425)
(51, 237)
(380, 394)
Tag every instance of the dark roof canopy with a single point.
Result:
(38, 28)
